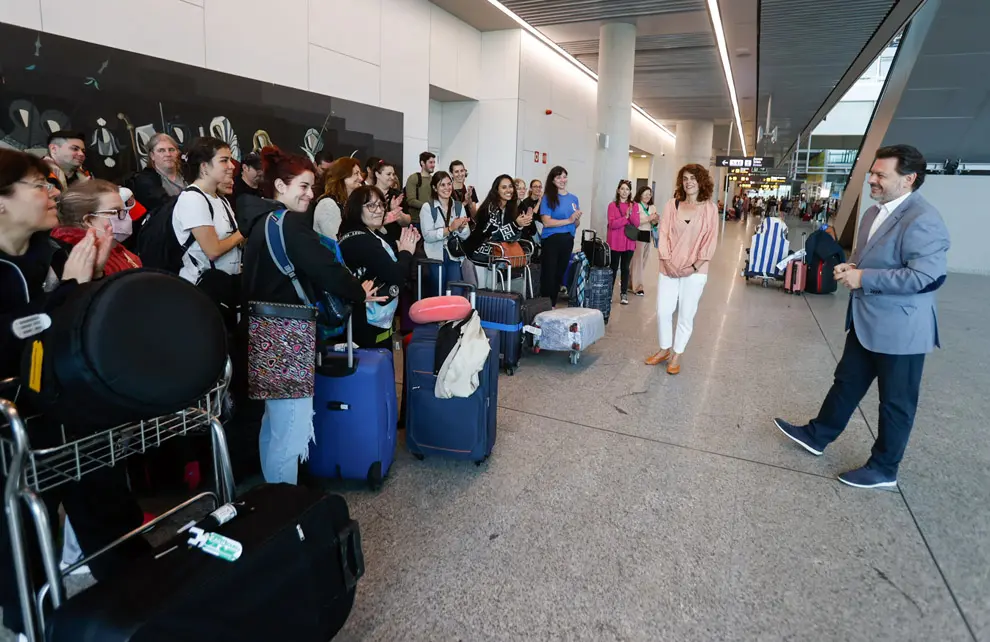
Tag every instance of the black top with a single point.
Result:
(148, 189)
(241, 188)
(315, 265)
(494, 224)
(365, 255)
(460, 193)
(22, 293)
(531, 231)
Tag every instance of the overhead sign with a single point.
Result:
(744, 161)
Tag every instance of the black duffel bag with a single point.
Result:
(134, 345)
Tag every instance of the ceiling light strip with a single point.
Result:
(571, 59)
(723, 51)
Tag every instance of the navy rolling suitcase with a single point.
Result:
(503, 311)
(355, 413)
(459, 428)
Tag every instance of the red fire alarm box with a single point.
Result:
(544, 158)
(536, 157)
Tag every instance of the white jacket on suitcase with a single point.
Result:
(460, 374)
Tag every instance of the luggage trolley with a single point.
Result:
(31, 472)
(501, 268)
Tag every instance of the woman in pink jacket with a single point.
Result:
(687, 235)
(622, 212)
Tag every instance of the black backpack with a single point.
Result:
(157, 244)
(134, 345)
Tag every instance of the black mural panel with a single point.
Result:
(120, 99)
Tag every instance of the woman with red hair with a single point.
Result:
(343, 177)
(687, 235)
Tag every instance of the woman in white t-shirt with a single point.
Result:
(202, 219)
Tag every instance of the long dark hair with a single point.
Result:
(350, 216)
(550, 191)
(201, 150)
(622, 182)
(493, 198)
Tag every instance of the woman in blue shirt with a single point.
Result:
(561, 213)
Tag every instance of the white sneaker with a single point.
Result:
(71, 551)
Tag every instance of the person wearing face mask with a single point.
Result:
(370, 255)
(162, 179)
(97, 205)
(287, 427)
(33, 281)
(343, 177)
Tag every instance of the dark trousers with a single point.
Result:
(621, 261)
(899, 380)
(556, 255)
(101, 509)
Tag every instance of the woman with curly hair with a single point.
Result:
(687, 235)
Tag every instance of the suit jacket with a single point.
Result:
(903, 265)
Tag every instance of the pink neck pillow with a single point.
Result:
(438, 309)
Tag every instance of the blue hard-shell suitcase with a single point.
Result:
(459, 428)
(355, 416)
(502, 311)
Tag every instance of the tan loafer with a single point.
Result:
(658, 358)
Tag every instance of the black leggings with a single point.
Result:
(556, 255)
(621, 260)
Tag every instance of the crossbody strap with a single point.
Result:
(276, 249)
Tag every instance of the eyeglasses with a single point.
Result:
(376, 206)
(120, 214)
(45, 186)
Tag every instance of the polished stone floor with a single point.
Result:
(621, 503)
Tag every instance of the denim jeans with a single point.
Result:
(286, 431)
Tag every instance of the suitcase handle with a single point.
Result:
(419, 274)
(585, 233)
(351, 555)
(471, 288)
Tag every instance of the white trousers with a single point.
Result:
(681, 295)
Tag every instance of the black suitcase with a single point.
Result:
(295, 580)
(502, 311)
(531, 308)
(597, 251)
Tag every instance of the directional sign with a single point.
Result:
(754, 162)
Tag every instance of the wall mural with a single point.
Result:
(121, 99)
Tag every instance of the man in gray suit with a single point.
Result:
(891, 324)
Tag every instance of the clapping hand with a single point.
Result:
(458, 223)
(371, 293)
(81, 263)
(525, 218)
(408, 240)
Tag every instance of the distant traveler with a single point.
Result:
(899, 263)
(622, 212)
(686, 242)
(249, 180)
(561, 213)
(418, 186)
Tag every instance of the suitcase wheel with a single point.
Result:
(509, 370)
(481, 461)
(575, 357)
(375, 480)
(419, 456)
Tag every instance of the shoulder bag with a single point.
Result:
(281, 337)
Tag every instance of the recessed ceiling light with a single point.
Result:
(726, 67)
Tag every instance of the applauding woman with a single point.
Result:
(621, 214)
(443, 218)
(343, 177)
(96, 205)
(561, 213)
(372, 256)
(648, 220)
(686, 243)
(499, 221)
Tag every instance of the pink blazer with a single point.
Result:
(617, 221)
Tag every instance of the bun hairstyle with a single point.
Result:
(277, 164)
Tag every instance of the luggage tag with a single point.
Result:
(27, 327)
(533, 330)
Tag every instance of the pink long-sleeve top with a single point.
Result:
(617, 220)
(682, 245)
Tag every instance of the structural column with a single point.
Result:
(694, 144)
(616, 62)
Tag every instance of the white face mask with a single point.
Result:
(122, 230)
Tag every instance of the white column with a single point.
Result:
(694, 143)
(616, 61)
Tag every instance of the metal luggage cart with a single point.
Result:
(31, 472)
(500, 267)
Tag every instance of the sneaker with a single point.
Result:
(640, 293)
(624, 299)
(798, 434)
(866, 477)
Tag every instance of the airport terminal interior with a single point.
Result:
(621, 500)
